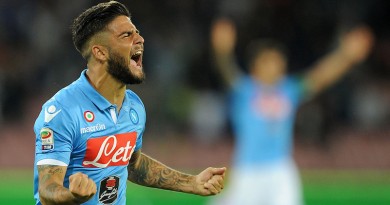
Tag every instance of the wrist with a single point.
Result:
(187, 184)
(192, 184)
(78, 199)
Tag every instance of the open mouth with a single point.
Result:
(137, 58)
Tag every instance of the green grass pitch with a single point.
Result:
(320, 188)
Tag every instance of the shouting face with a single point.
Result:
(125, 52)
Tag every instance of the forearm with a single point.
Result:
(51, 190)
(354, 47)
(227, 66)
(56, 194)
(327, 71)
(223, 41)
(149, 172)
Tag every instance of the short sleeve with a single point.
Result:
(53, 131)
(298, 85)
(139, 141)
(142, 119)
(139, 109)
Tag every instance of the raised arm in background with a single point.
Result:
(223, 42)
(353, 47)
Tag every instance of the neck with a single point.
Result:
(266, 81)
(109, 87)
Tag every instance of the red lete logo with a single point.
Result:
(113, 150)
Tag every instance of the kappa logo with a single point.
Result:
(47, 139)
(50, 113)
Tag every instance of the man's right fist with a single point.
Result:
(82, 187)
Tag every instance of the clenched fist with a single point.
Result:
(82, 187)
(210, 181)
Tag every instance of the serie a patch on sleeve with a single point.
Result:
(47, 139)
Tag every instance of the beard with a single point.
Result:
(119, 69)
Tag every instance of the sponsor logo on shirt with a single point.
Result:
(47, 139)
(94, 128)
(272, 106)
(108, 191)
(113, 150)
(50, 113)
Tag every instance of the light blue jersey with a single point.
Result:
(80, 129)
(263, 119)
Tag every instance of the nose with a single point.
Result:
(139, 39)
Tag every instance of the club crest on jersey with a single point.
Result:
(134, 116)
(89, 116)
(47, 139)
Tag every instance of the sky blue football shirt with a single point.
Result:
(80, 129)
(263, 120)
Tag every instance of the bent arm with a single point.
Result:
(51, 189)
(353, 48)
(146, 171)
(223, 41)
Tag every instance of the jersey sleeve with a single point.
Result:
(142, 119)
(140, 112)
(139, 141)
(299, 87)
(53, 130)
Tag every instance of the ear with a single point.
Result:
(100, 52)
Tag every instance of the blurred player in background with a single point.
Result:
(263, 107)
(89, 135)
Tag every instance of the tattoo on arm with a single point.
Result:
(48, 171)
(51, 190)
(147, 171)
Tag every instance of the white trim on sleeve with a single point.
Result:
(51, 162)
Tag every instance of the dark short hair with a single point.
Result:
(94, 20)
(257, 47)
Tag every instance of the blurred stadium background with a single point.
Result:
(342, 137)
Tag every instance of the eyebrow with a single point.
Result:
(129, 31)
